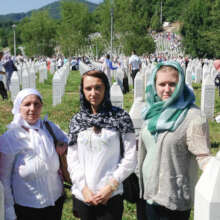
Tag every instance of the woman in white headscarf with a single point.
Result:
(29, 163)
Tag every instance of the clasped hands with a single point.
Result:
(101, 197)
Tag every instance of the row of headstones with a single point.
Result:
(59, 82)
(165, 45)
(25, 77)
(205, 74)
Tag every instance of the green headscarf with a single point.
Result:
(167, 115)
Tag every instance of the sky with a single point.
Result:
(17, 6)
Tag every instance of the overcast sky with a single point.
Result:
(17, 6)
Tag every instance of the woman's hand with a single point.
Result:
(88, 196)
(61, 148)
(104, 194)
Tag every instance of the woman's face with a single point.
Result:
(166, 82)
(94, 91)
(30, 109)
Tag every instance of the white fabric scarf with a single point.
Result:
(40, 142)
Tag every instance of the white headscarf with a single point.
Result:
(40, 142)
(20, 97)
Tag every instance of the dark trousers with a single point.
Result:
(3, 91)
(141, 209)
(113, 210)
(133, 74)
(50, 212)
(157, 212)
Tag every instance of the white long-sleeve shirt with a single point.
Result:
(33, 181)
(95, 160)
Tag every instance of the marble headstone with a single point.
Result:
(208, 97)
(14, 86)
(116, 95)
(207, 192)
(135, 114)
(139, 86)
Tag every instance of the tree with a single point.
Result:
(3, 37)
(131, 21)
(195, 23)
(74, 28)
(142, 45)
(155, 22)
(173, 10)
(212, 34)
(38, 34)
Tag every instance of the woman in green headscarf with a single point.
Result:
(174, 135)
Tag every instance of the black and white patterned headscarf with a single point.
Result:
(108, 116)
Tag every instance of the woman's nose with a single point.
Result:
(32, 107)
(93, 92)
(167, 88)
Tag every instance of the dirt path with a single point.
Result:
(173, 27)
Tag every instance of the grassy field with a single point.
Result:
(61, 115)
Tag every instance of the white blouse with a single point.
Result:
(95, 160)
(33, 181)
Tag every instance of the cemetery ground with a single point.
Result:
(62, 113)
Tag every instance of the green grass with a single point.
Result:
(62, 113)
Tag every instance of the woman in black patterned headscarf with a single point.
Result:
(94, 162)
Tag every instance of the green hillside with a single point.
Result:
(53, 8)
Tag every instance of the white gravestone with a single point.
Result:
(83, 68)
(147, 76)
(119, 77)
(45, 71)
(25, 78)
(19, 72)
(98, 66)
(135, 114)
(208, 97)
(198, 73)
(188, 77)
(59, 83)
(36, 67)
(205, 71)
(32, 78)
(52, 67)
(14, 86)
(57, 89)
(207, 192)
(116, 95)
(41, 74)
(139, 86)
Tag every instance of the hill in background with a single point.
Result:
(53, 8)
